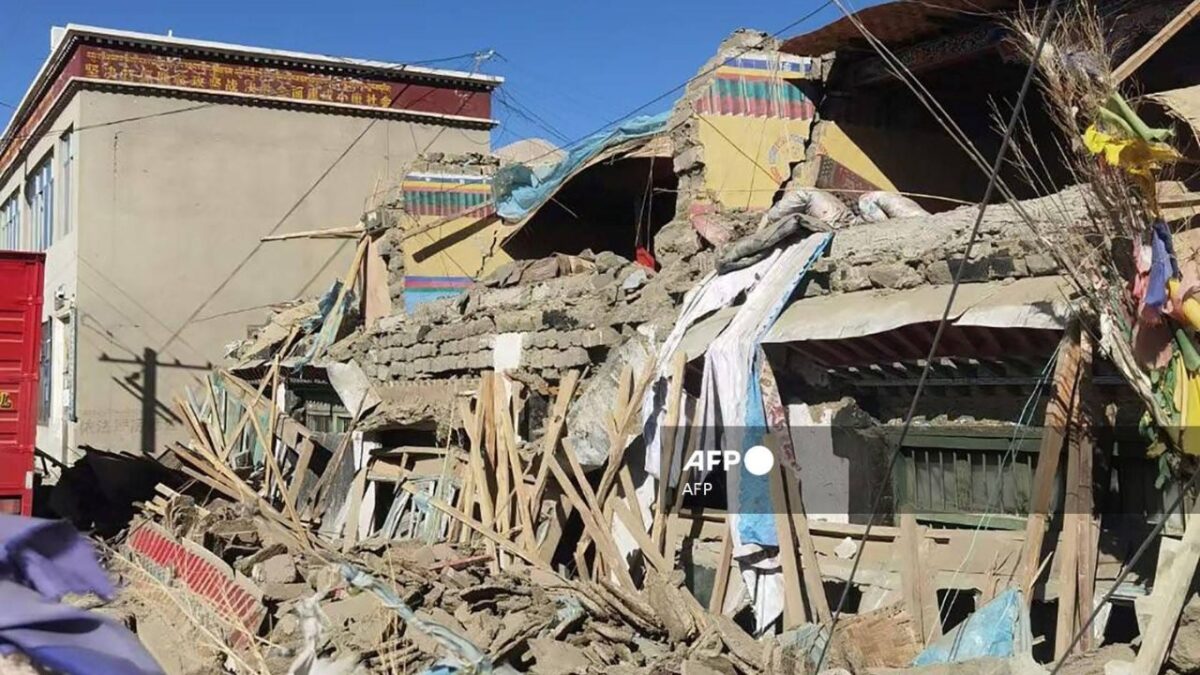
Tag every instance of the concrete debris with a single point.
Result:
(446, 474)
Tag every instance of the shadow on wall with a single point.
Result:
(888, 124)
(143, 386)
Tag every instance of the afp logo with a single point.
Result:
(759, 460)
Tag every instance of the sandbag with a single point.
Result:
(877, 206)
(812, 202)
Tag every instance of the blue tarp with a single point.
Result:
(1000, 629)
(518, 190)
(756, 523)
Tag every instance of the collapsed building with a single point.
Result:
(525, 356)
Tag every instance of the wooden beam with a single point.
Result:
(1172, 593)
(1155, 43)
(601, 537)
(811, 569)
(1059, 410)
(357, 488)
(631, 523)
(554, 427)
(629, 402)
(666, 452)
(1076, 575)
(482, 529)
(794, 612)
(920, 599)
(507, 437)
(716, 603)
(345, 232)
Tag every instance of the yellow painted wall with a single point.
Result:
(747, 158)
(475, 256)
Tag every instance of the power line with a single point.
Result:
(937, 337)
(524, 112)
(295, 206)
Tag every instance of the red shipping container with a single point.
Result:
(20, 351)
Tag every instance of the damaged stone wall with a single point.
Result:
(567, 322)
(749, 96)
(909, 252)
(441, 231)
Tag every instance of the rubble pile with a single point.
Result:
(509, 479)
(908, 252)
(526, 616)
(282, 568)
(567, 321)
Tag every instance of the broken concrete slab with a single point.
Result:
(553, 657)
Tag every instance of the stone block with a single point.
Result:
(849, 279)
(676, 240)
(519, 321)
(1040, 264)
(893, 275)
(938, 272)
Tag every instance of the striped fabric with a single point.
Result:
(446, 195)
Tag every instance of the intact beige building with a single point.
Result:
(148, 168)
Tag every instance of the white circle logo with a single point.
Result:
(759, 460)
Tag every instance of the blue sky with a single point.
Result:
(575, 64)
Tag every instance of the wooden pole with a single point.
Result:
(1173, 593)
(1058, 414)
(1155, 43)
(813, 582)
(666, 451)
(1074, 590)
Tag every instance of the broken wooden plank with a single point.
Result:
(813, 583)
(508, 442)
(1172, 593)
(716, 603)
(554, 427)
(666, 451)
(357, 488)
(631, 408)
(344, 232)
(1155, 43)
(643, 540)
(600, 535)
(487, 532)
(1059, 409)
(305, 453)
(794, 612)
(920, 599)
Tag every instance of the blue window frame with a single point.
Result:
(39, 198)
(10, 223)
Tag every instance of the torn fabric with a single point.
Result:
(40, 561)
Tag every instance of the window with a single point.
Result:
(10, 223)
(66, 173)
(39, 198)
(968, 476)
(44, 372)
